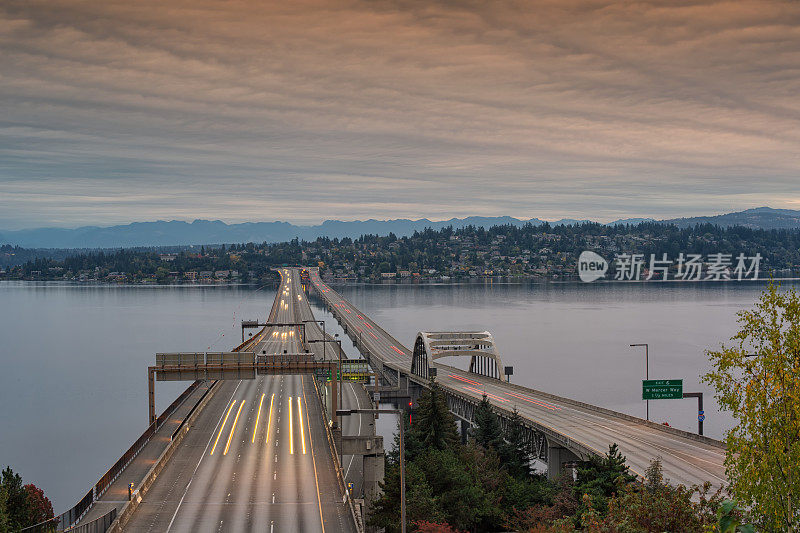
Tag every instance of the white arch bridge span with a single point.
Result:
(477, 345)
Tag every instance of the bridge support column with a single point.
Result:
(464, 431)
(556, 457)
(373, 475)
(151, 395)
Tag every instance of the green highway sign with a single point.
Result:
(662, 389)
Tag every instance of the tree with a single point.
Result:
(4, 526)
(420, 502)
(434, 425)
(515, 451)
(39, 506)
(601, 477)
(763, 395)
(658, 506)
(16, 499)
(487, 431)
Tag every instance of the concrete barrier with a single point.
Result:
(616, 414)
(338, 467)
(161, 462)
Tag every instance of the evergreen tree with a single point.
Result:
(600, 477)
(420, 503)
(515, 451)
(488, 432)
(4, 525)
(434, 425)
(16, 499)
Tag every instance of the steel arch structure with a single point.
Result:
(478, 345)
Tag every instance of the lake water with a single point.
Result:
(74, 358)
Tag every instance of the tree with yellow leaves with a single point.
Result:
(757, 379)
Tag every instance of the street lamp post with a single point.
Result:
(646, 369)
(324, 336)
(324, 341)
(401, 414)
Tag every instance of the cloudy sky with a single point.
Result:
(113, 111)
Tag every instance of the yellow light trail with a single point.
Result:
(291, 439)
(223, 427)
(233, 428)
(269, 423)
(302, 429)
(258, 415)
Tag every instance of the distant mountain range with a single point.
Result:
(758, 218)
(175, 232)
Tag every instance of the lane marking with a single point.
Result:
(360, 418)
(255, 429)
(465, 380)
(535, 401)
(202, 456)
(233, 428)
(313, 457)
(492, 396)
(223, 427)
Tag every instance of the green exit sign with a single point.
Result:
(662, 389)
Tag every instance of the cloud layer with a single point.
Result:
(115, 111)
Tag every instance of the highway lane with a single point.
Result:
(257, 459)
(351, 397)
(684, 460)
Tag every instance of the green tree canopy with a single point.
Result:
(762, 392)
(487, 431)
(434, 425)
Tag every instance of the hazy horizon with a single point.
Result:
(318, 222)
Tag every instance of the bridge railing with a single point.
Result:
(113, 472)
(98, 525)
(337, 466)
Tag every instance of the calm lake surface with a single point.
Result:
(73, 383)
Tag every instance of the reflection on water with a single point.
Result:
(74, 357)
(74, 379)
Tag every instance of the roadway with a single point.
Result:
(257, 457)
(684, 460)
(353, 395)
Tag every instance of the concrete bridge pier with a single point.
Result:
(373, 475)
(464, 430)
(414, 390)
(370, 448)
(557, 456)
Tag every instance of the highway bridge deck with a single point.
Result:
(686, 459)
(256, 458)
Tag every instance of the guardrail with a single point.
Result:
(71, 516)
(191, 412)
(338, 467)
(65, 520)
(130, 507)
(98, 525)
(113, 472)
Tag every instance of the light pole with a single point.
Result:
(324, 341)
(401, 414)
(324, 336)
(646, 369)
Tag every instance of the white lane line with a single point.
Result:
(200, 461)
(360, 417)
